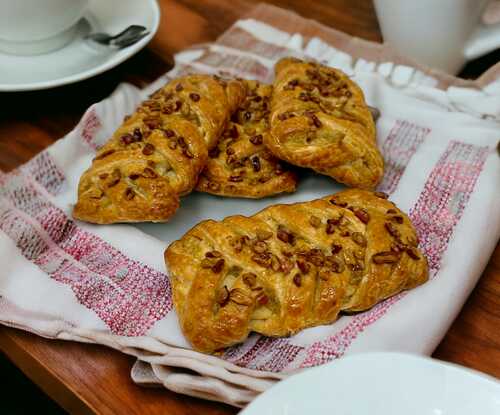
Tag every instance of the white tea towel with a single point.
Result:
(108, 284)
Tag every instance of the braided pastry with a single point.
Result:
(157, 154)
(240, 165)
(319, 119)
(290, 267)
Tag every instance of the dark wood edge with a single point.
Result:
(43, 376)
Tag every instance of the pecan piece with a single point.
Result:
(264, 259)
(169, 133)
(397, 219)
(149, 173)
(250, 279)
(259, 247)
(263, 235)
(285, 236)
(362, 215)
(336, 248)
(256, 139)
(297, 280)
(129, 193)
(286, 265)
(255, 163)
(315, 221)
(148, 149)
(337, 203)
(303, 265)
(218, 266)
(359, 238)
(222, 296)
(392, 230)
(386, 257)
(238, 296)
(330, 226)
(412, 253)
(188, 153)
(275, 263)
(236, 178)
(194, 97)
(213, 254)
(262, 299)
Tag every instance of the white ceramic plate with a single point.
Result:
(79, 59)
(382, 384)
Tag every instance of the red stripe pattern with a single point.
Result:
(403, 141)
(128, 296)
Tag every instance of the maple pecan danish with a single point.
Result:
(289, 267)
(240, 165)
(157, 154)
(319, 119)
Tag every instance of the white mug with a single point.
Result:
(444, 34)
(38, 26)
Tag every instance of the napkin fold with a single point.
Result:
(108, 284)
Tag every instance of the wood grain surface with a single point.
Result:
(86, 378)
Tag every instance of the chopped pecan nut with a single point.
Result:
(297, 280)
(359, 238)
(315, 221)
(382, 195)
(263, 235)
(303, 265)
(264, 259)
(255, 163)
(148, 149)
(387, 257)
(218, 266)
(412, 253)
(336, 248)
(256, 139)
(194, 97)
(362, 215)
(259, 247)
(392, 230)
(149, 173)
(222, 296)
(397, 219)
(129, 193)
(250, 279)
(238, 296)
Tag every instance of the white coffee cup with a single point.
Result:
(443, 34)
(30, 27)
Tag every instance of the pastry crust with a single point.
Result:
(240, 165)
(157, 154)
(319, 119)
(290, 267)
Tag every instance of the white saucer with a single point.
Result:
(80, 59)
(382, 384)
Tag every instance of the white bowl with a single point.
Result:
(382, 384)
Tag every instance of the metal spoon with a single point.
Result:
(127, 37)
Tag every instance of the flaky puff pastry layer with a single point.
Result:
(290, 267)
(319, 119)
(157, 154)
(240, 165)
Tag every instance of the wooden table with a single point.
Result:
(94, 379)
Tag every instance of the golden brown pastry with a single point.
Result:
(240, 165)
(319, 119)
(290, 267)
(157, 154)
